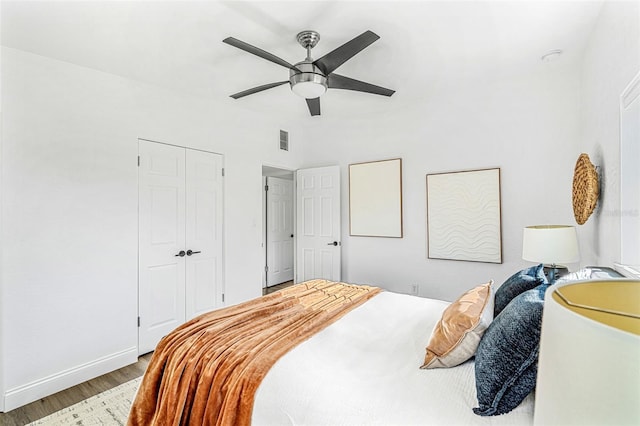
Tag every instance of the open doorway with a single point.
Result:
(278, 227)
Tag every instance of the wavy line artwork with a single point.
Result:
(463, 216)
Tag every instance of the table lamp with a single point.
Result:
(552, 245)
(588, 369)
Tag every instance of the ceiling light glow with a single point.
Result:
(309, 89)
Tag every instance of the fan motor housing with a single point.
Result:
(310, 83)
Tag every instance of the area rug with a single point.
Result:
(107, 408)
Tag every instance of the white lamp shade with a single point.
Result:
(588, 369)
(550, 244)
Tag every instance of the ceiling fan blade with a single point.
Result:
(336, 81)
(258, 52)
(257, 89)
(314, 106)
(332, 60)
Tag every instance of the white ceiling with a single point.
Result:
(424, 45)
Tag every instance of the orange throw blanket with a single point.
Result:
(206, 372)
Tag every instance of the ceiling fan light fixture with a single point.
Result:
(310, 83)
(309, 86)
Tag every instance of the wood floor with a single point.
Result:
(45, 406)
(271, 289)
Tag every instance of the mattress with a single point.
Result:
(364, 370)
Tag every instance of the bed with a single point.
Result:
(362, 368)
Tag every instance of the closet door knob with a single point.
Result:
(181, 254)
(190, 252)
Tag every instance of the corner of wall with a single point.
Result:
(610, 61)
(2, 310)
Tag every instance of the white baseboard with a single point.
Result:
(24, 394)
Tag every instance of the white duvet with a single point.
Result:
(364, 370)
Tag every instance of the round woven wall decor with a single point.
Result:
(585, 189)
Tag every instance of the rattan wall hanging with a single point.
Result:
(586, 189)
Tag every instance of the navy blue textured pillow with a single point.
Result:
(507, 356)
(516, 284)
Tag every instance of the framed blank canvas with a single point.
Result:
(375, 199)
(463, 216)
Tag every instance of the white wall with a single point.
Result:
(69, 212)
(610, 62)
(528, 125)
(533, 126)
(65, 175)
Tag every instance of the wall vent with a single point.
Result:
(284, 140)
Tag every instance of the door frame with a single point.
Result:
(223, 236)
(266, 169)
(276, 171)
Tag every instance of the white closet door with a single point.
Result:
(161, 239)
(204, 232)
(180, 259)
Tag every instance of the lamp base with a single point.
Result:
(553, 272)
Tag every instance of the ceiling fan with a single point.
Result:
(310, 79)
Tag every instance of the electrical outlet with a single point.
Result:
(414, 289)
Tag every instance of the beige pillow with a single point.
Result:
(456, 336)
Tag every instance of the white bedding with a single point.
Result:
(364, 369)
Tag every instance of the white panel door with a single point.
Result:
(161, 238)
(180, 238)
(318, 251)
(279, 230)
(203, 232)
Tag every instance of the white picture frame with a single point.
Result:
(464, 216)
(375, 199)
